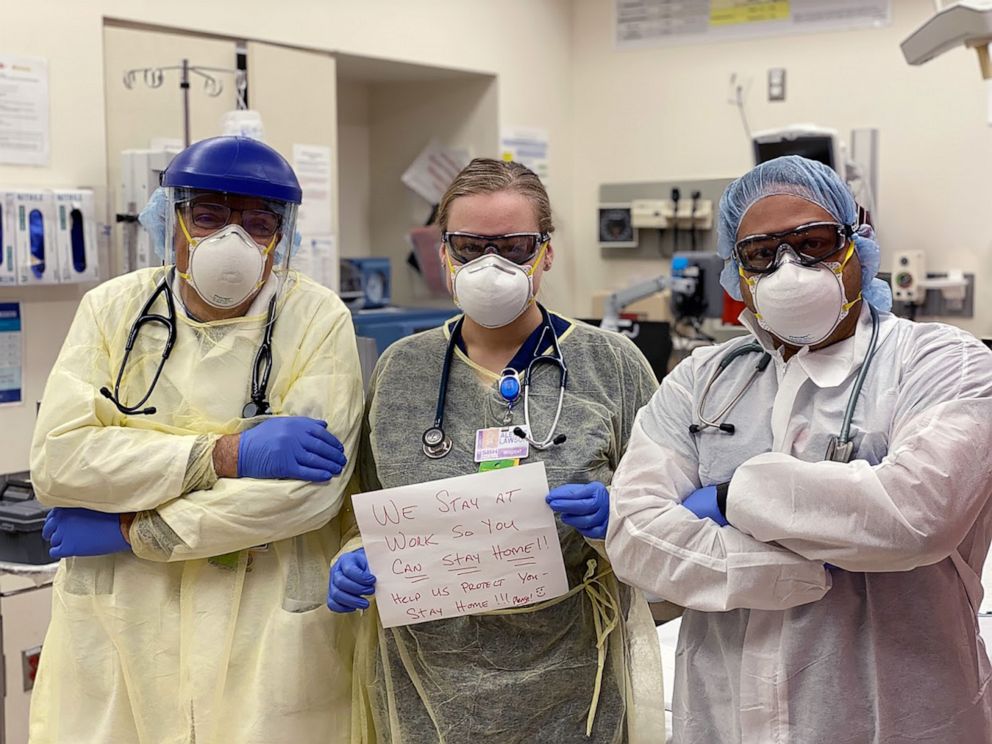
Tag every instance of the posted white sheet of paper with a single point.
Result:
(312, 164)
(434, 169)
(527, 146)
(461, 546)
(24, 130)
(317, 257)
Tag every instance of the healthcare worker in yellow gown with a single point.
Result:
(580, 668)
(197, 467)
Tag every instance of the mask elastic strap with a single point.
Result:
(847, 258)
(265, 255)
(533, 269)
(749, 280)
(191, 242)
(847, 306)
(839, 273)
(189, 238)
(538, 258)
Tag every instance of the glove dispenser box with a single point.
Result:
(8, 249)
(75, 235)
(22, 518)
(34, 237)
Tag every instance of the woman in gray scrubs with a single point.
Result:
(566, 670)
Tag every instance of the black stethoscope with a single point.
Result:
(258, 405)
(437, 444)
(840, 448)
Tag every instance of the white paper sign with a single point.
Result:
(526, 146)
(317, 257)
(434, 170)
(461, 546)
(24, 132)
(312, 164)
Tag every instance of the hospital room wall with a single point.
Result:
(355, 156)
(663, 114)
(533, 90)
(402, 115)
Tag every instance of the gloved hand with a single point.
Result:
(293, 447)
(584, 506)
(75, 532)
(350, 582)
(702, 503)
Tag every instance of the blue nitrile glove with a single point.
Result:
(293, 447)
(703, 503)
(83, 532)
(350, 582)
(584, 506)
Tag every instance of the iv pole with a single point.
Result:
(212, 85)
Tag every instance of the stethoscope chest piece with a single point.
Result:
(436, 444)
(253, 409)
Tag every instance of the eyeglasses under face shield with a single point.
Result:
(210, 212)
(520, 248)
(810, 244)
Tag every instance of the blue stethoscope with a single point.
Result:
(840, 448)
(437, 444)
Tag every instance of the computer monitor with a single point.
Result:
(807, 141)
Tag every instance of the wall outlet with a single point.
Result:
(908, 272)
(776, 84)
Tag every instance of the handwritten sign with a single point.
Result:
(461, 546)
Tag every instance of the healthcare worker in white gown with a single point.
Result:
(827, 602)
(197, 495)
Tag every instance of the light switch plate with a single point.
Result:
(776, 84)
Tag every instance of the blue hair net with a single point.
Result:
(815, 182)
(152, 218)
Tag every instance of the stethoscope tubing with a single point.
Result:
(436, 444)
(261, 368)
(717, 421)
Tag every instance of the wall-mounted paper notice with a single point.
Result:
(24, 130)
(312, 164)
(461, 546)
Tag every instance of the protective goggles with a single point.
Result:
(810, 244)
(519, 248)
(210, 216)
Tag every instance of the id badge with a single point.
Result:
(500, 444)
